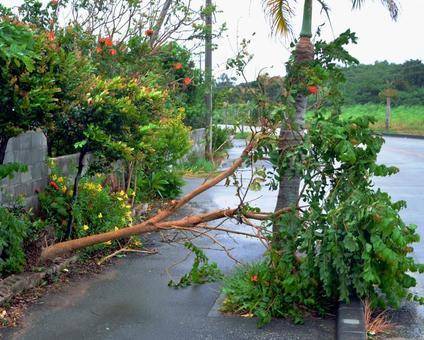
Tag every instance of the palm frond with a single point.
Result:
(280, 14)
(391, 5)
(326, 9)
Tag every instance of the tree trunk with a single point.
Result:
(3, 147)
(289, 135)
(160, 21)
(75, 194)
(388, 112)
(208, 79)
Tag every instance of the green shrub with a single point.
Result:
(196, 166)
(163, 184)
(221, 138)
(13, 230)
(97, 210)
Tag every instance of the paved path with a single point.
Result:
(132, 300)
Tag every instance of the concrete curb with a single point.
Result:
(401, 135)
(351, 321)
(16, 284)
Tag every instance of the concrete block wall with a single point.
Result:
(68, 164)
(198, 143)
(30, 149)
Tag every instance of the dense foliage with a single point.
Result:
(365, 82)
(96, 209)
(347, 238)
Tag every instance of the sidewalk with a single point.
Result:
(132, 300)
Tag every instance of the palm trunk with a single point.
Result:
(388, 112)
(289, 136)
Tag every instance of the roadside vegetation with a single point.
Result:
(130, 100)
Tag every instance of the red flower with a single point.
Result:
(54, 185)
(149, 32)
(178, 66)
(112, 51)
(254, 278)
(187, 81)
(108, 42)
(54, 2)
(50, 35)
(312, 89)
(101, 40)
(99, 49)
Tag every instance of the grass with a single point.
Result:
(242, 135)
(405, 119)
(196, 167)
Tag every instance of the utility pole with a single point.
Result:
(208, 78)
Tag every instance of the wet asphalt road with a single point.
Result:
(131, 300)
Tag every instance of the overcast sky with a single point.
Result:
(379, 37)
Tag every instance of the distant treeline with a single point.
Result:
(365, 82)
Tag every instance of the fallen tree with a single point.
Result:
(156, 222)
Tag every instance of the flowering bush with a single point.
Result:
(96, 210)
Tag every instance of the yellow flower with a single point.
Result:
(119, 198)
(64, 188)
(60, 180)
(128, 206)
(116, 228)
(100, 215)
(53, 177)
(85, 227)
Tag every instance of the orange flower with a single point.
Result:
(99, 49)
(112, 51)
(187, 81)
(312, 89)
(254, 278)
(54, 185)
(108, 42)
(149, 32)
(178, 66)
(51, 36)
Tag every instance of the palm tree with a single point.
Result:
(280, 13)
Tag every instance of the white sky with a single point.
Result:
(379, 37)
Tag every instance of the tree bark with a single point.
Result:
(3, 147)
(208, 79)
(290, 136)
(388, 112)
(75, 194)
(160, 21)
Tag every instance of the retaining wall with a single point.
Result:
(30, 148)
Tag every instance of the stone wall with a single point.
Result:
(31, 149)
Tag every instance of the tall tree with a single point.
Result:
(280, 13)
